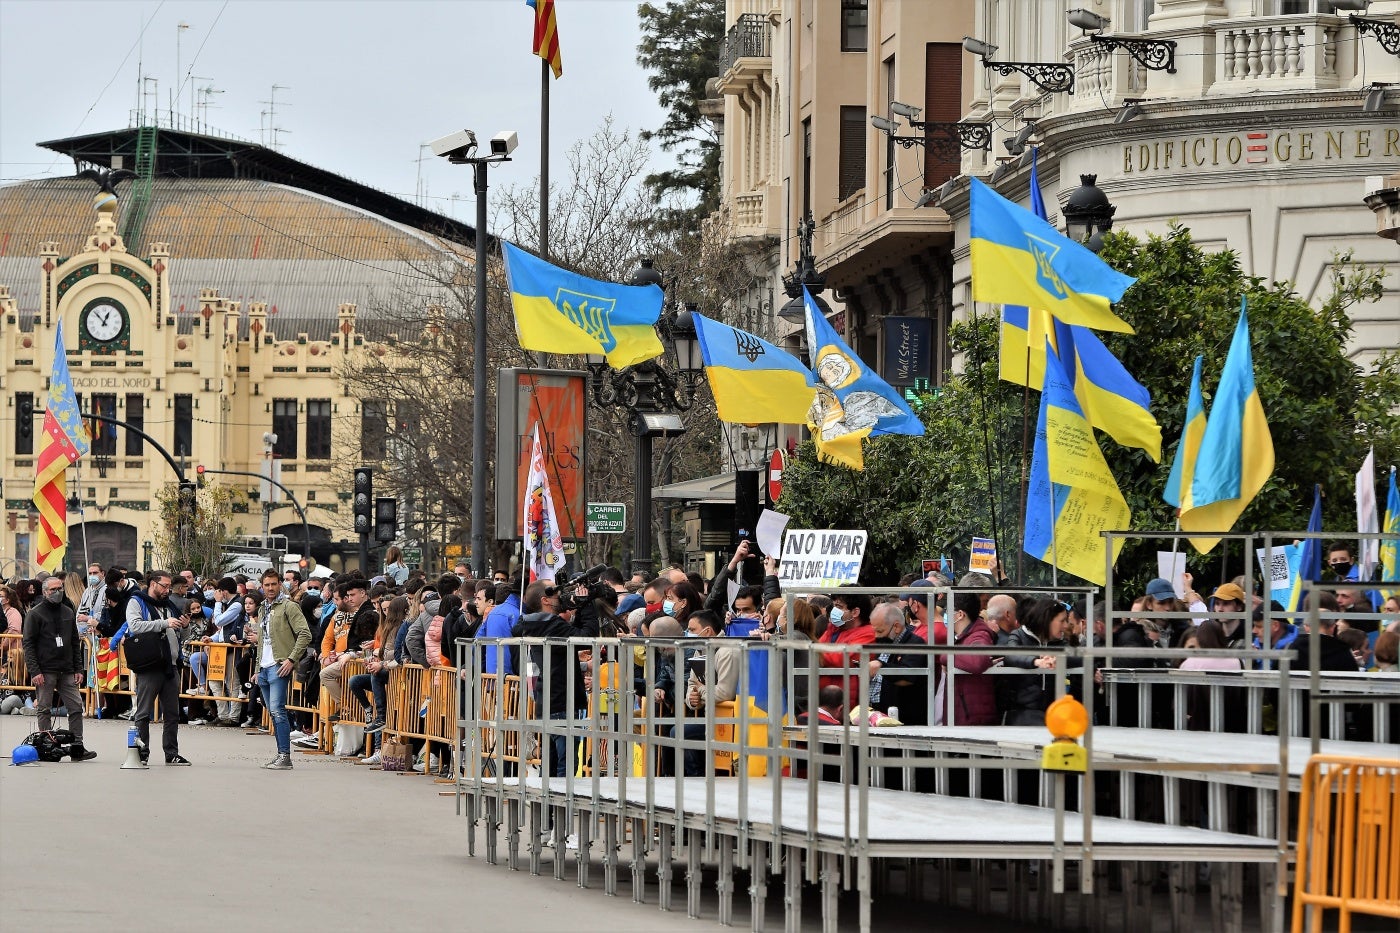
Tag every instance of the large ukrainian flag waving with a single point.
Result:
(558, 311)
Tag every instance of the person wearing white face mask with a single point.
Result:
(94, 598)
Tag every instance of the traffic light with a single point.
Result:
(26, 415)
(199, 473)
(386, 519)
(189, 496)
(364, 500)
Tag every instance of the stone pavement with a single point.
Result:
(332, 846)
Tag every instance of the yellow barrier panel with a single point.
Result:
(1348, 841)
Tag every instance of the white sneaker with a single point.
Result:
(298, 734)
(199, 691)
(571, 841)
(195, 722)
(371, 760)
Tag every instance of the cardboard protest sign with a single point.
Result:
(984, 556)
(821, 558)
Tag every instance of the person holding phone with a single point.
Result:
(151, 610)
(702, 692)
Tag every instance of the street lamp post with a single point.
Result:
(1088, 214)
(653, 398)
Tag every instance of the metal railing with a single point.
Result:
(750, 37)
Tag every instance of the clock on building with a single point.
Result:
(105, 326)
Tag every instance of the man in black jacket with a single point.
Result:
(55, 656)
(542, 620)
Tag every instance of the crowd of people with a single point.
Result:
(288, 628)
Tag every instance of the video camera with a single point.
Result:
(590, 578)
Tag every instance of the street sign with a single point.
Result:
(775, 475)
(454, 551)
(413, 555)
(606, 518)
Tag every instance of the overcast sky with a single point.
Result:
(367, 81)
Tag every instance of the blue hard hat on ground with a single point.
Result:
(24, 755)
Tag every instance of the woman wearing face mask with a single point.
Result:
(681, 600)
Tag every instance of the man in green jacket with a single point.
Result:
(283, 636)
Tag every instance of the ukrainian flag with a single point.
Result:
(1112, 400)
(1390, 547)
(1178, 491)
(1309, 567)
(753, 381)
(1017, 258)
(1072, 496)
(852, 402)
(557, 311)
(1236, 455)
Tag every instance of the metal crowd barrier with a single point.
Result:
(1348, 842)
(614, 765)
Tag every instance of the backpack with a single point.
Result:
(53, 745)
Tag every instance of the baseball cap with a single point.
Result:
(24, 755)
(1161, 589)
(1228, 591)
(920, 597)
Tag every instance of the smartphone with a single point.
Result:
(696, 666)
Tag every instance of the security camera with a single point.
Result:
(1087, 20)
(883, 125)
(504, 143)
(978, 47)
(907, 111)
(456, 147)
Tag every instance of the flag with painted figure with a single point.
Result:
(851, 402)
(1019, 259)
(1390, 548)
(64, 440)
(1236, 455)
(544, 546)
(558, 311)
(753, 381)
(1072, 496)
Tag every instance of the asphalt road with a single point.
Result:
(328, 846)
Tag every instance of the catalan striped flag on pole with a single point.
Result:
(65, 439)
(547, 34)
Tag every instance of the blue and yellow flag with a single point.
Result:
(1236, 456)
(1309, 567)
(1072, 496)
(753, 381)
(558, 311)
(1178, 491)
(852, 402)
(1017, 258)
(1390, 547)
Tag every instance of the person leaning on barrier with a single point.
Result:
(1001, 617)
(151, 610)
(283, 637)
(972, 697)
(1333, 655)
(662, 692)
(53, 653)
(1023, 698)
(94, 598)
(849, 624)
(378, 663)
(898, 678)
(700, 699)
(542, 619)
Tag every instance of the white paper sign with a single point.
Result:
(821, 558)
(769, 532)
(1171, 565)
(1275, 569)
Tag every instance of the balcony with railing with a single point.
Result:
(747, 53)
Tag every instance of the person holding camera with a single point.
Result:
(151, 610)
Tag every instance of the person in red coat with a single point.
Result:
(972, 697)
(849, 625)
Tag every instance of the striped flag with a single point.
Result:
(64, 440)
(547, 34)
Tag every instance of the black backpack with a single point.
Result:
(53, 745)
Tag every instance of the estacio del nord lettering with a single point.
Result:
(1261, 147)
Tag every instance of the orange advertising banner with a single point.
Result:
(557, 401)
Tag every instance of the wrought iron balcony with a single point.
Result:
(750, 37)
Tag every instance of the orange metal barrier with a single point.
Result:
(1348, 841)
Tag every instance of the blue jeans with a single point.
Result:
(563, 762)
(274, 694)
(360, 687)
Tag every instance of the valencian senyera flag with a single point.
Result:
(544, 547)
(1072, 496)
(1019, 259)
(1236, 455)
(851, 402)
(558, 311)
(64, 440)
(547, 34)
(753, 381)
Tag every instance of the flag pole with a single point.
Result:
(545, 75)
(1025, 443)
(1054, 537)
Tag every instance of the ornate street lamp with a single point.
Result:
(653, 397)
(1088, 214)
(805, 274)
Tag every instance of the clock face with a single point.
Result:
(103, 322)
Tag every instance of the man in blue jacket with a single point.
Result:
(500, 621)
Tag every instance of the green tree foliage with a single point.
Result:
(921, 497)
(196, 542)
(680, 46)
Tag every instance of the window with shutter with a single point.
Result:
(851, 168)
(942, 104)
